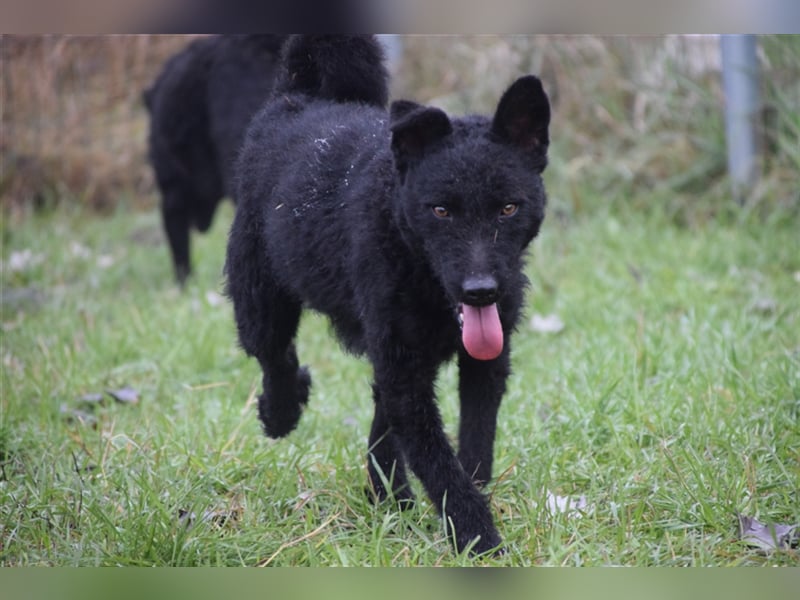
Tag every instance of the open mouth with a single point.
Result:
(481, 331)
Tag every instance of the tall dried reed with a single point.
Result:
(636, 119)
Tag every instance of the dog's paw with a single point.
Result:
(280, 411)
(278, 423)
(493, 552)
(486, 543)
(490, 546)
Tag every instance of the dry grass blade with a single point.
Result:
(294, 542)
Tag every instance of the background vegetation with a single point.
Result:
(663, 401)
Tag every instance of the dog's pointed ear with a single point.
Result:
(523, 116)
(414, 129)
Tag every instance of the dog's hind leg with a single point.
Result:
(177, 221)
(286, 384)
(266, 319)
(385, 462)
(481, 387)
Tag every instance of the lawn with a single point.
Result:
(666, 405)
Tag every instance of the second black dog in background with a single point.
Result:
(200, 106)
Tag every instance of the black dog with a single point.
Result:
(200, 106)
(408, 230)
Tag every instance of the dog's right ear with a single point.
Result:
(414, 129)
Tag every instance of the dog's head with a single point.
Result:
(472, 199)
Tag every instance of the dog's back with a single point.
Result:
(305, 163)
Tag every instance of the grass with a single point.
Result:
(670, 400)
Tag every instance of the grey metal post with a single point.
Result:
(742, 106)
(393, 47)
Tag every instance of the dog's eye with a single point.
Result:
(441, 212)
(509, 209)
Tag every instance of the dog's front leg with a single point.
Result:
(406, 388)
(385, 462)
(481, 387)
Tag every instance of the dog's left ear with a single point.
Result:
(523, 115)
(415, 128)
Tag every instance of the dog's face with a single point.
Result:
(472, 199)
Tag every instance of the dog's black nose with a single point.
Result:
(479, 290)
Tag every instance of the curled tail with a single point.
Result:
(335, 67)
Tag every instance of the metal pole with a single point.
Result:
(393, 46)
(742, 106)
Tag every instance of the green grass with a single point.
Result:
(671, 400)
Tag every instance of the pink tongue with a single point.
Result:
(482, 333)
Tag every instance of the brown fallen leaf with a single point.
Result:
(768, 536)
(124, 395)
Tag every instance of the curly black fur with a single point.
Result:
(389, 222)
